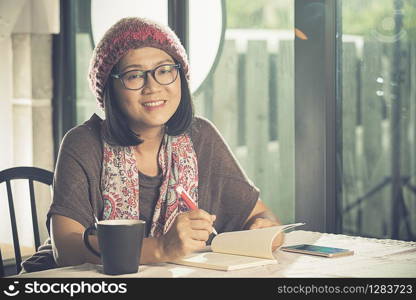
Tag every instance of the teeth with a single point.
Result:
(154, 103)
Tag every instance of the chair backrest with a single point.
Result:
(32, 174)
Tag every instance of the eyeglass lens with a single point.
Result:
(164, 74)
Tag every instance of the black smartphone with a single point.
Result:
(318, 250)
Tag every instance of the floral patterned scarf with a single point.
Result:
(120, 182)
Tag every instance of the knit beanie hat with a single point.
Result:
(131, 33)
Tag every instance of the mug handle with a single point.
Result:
(87, 242)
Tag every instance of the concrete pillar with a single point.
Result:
(6, 127)
(32, 118)
(42, 131)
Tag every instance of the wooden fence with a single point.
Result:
(250, 98)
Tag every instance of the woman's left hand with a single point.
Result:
(264, 223)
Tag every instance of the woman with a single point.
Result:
(128, 165)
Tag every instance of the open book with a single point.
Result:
(238, 249)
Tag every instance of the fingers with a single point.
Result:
(188, 233)
(278, 241)
(190, 240)
(196, 224)
(197, 219)
(201, 225)
(263, 223)
(200, 214)
(192, 246)
(200, 235)
(175, 246)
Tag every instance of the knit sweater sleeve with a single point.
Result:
(76, 177)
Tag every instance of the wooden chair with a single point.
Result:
(31, 174)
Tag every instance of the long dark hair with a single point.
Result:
(116, 129)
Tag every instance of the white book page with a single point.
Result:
(254, 242)
(222, 261)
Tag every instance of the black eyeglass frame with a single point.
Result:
(152, 72)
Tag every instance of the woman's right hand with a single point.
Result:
(188, 233)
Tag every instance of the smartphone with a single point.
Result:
(318, 250)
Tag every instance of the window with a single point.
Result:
(249, 96)
(379, 118)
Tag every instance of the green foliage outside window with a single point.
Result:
(358, 17)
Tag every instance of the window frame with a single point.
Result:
(318, 119)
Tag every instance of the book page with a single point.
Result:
(222, 261)
(254, 242)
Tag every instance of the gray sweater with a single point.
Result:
(223, 187)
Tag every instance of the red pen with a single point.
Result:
(189, 201)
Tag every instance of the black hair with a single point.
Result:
(116, 129)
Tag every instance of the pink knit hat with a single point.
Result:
(131, 33)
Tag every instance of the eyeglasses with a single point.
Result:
(136, 79)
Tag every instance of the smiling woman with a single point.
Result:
(147, 101)
(129, 165)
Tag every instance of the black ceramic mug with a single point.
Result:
(120, 243)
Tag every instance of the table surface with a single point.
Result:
(372, 258)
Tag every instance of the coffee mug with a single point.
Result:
(120, 243)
